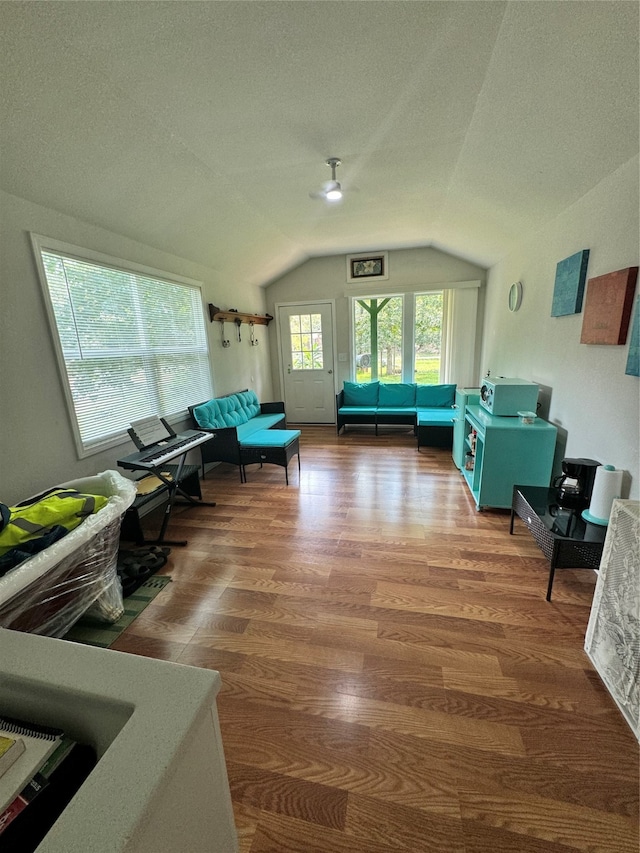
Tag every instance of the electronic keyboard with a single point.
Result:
(164, 451)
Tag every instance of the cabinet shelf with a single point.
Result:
(471, 483)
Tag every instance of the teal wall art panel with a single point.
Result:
(568, 292)
(633, 359)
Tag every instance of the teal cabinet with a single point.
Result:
(464, 397)
(501, 452)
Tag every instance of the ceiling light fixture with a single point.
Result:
(331, 190)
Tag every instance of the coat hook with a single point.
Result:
(225, 342)
(238, 323)
(252, 337)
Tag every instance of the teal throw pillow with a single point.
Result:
(398, 396)
(435, 395)
(361, 393)
(208, 415)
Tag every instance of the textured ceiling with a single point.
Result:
(201, 127)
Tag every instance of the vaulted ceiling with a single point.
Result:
(200, 128)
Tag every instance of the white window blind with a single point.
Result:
(131, 344)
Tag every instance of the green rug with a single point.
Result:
(93, 633)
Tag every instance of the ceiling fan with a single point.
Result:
(331, 190)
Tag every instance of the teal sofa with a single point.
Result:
(232, 420)
(427, 408)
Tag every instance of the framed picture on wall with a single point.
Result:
(568, 290)
(369, 265)
(607, 311)
(633, 358)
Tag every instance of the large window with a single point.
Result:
(378, 339)
(130, 342)
(427, 329)
(399, 338)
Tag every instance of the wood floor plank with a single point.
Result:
(573, 695)
(337, 754)
(401, 827)
(275, 792)
(430, 655)
(279, 834)
(393, 678)
(571, 826)
(333, 658)
(518, 651)
(604, 788)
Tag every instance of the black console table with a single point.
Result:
(564, 537)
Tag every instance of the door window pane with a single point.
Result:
(306, 341)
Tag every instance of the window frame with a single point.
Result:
(444, 366)
(311, 351)
(403, 308)
(408, 328)
(40, 244)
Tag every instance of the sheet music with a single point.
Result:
(150, 431)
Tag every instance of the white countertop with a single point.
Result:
(145, 718)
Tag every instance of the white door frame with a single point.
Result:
(334, 354)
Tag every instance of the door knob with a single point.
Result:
(329, 371)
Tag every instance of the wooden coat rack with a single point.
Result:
(232, 316)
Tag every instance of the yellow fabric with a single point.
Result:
(64, 507)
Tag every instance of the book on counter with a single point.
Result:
(39, 744)
(40, 782)
(46, 797)
(10, 749)
(37, 783)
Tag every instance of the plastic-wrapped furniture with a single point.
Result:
(48, 593)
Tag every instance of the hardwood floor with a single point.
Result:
(394, 679)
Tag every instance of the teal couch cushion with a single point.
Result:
(433, 396)
(435, 417)
(260, 422)
(248, 402)
(234, 410)
(271, 438)
(361, 393)
(396, 396)
(207, 415)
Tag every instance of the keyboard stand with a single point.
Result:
(172, 486)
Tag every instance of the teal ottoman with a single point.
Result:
(275, 446)
(435, 428)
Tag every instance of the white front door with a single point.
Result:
(306, 353)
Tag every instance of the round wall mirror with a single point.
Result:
(515, 296)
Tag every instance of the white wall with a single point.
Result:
(594, 403)
(37, 442)
(326, 278)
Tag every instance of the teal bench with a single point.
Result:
(379, 403)
(231, 420)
